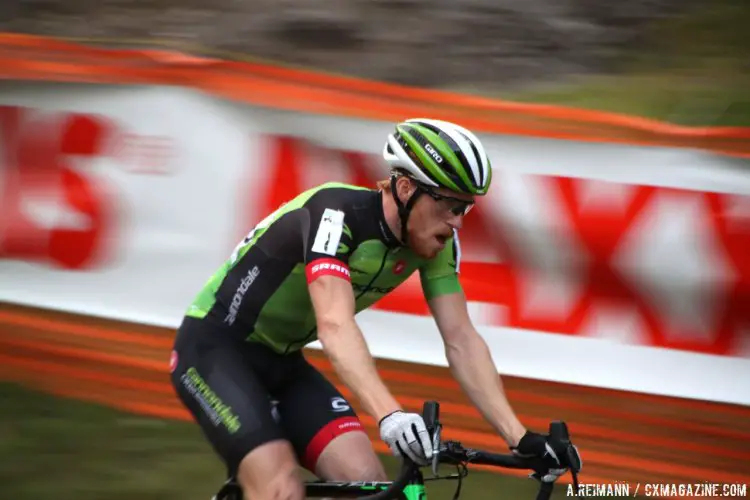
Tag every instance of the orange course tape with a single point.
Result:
(30, 57)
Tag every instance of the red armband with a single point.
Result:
(323, 267)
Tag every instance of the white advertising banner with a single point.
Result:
(607, 265)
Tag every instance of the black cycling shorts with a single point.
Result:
(243, 394)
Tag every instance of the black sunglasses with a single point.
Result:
(458, 206)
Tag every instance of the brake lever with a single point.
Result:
(431, 415)
(575, 464)
(576, 467)
(436, 449)
(559, 430)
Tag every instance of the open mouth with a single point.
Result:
(441, 239)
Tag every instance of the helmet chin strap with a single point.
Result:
(404, 210)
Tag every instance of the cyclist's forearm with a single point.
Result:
(346, 348)
(472, 366)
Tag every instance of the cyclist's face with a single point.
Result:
(434, 217)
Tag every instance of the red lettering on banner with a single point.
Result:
(600, 229)
(731, 215)
(50, 209)
(598, 218)
(326, 267)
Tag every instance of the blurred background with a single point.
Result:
(85, 410)
(682, 61)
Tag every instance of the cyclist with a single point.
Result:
(301, 275)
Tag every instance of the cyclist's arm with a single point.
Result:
(468, 356)
(345, 345)
(472, 365)
(328, 243)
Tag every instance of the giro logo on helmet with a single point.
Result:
(433, 153)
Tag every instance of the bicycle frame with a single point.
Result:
(414, 489)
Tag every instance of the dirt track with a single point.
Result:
(622, 436)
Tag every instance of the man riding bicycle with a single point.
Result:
(301, 275)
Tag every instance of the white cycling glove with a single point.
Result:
(406, 434)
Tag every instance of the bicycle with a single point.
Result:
(410, 485)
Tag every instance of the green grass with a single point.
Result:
(54, 448)
(693, 69)
(673, 98)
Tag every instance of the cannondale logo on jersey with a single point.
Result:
(248, 280)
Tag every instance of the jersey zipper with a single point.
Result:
(364, 291)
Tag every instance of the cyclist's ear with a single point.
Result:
(405, 188)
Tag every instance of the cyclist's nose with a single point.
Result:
(456, 221)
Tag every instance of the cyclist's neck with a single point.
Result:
(390, 222)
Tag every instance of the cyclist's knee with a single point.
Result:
(283, 485)
(270, 472)
(350, 457)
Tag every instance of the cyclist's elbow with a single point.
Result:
(333, 330)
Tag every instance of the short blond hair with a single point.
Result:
(384, 185)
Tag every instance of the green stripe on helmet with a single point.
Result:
(451, 160)
(432, 168)
(455, 148)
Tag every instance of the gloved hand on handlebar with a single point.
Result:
(555, 457)
(406, 434)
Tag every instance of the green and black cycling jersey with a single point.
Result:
(261, 292)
